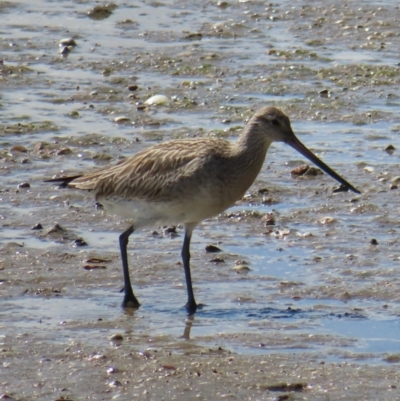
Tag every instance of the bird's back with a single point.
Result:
(151, 173)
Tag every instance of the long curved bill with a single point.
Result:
(296, 144)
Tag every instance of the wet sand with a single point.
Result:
(307, 308)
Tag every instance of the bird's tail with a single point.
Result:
(64, 181)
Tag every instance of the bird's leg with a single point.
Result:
(130, 300)
(191, 305)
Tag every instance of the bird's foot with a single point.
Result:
(130, 301)
(192, 307)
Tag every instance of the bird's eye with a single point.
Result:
(274, 121)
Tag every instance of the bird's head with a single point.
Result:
(274, 123)
(274, 126)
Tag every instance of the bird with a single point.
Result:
(186, 181)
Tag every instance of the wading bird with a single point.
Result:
(186, 181)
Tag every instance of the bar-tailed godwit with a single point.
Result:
(186, 181)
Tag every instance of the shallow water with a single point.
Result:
(341, 331)
(317, 292)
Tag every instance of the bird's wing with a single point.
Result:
(150, 173)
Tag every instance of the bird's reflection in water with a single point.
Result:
(188, 326)
(131, 312)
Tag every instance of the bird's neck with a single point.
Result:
(250, 151)
(252, 143)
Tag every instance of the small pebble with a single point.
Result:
(98, 260)
(24, 185)
(100, 12)
(313, 171)
(145, 354)
(5, 396)
(170, 231)
(19, 148)
(96, 357)
(168, 367)
(369, 169)
(217, 260)
(392, 358)
(342, 188)
(268, 219)
(65, 50)
(241, 268)
(94, 267)
(67, 42)
(305, 235)
(300, 170)
(56, 228)
(373, 241)
(121, 119)
(284, 386)
(64, 151)
(39, 146)
(115, 383)
(324, 93)
(212, 249)
(390, 149)
(66, 46)
(79, 242)
(74, 114)
(116, 337)
(37, 226)
(326, 221)
(222, 4)
(157, 100)
(193, 36)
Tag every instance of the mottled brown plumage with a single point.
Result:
(187, 181)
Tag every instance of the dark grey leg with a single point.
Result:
(191, 305)
(130, 300)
